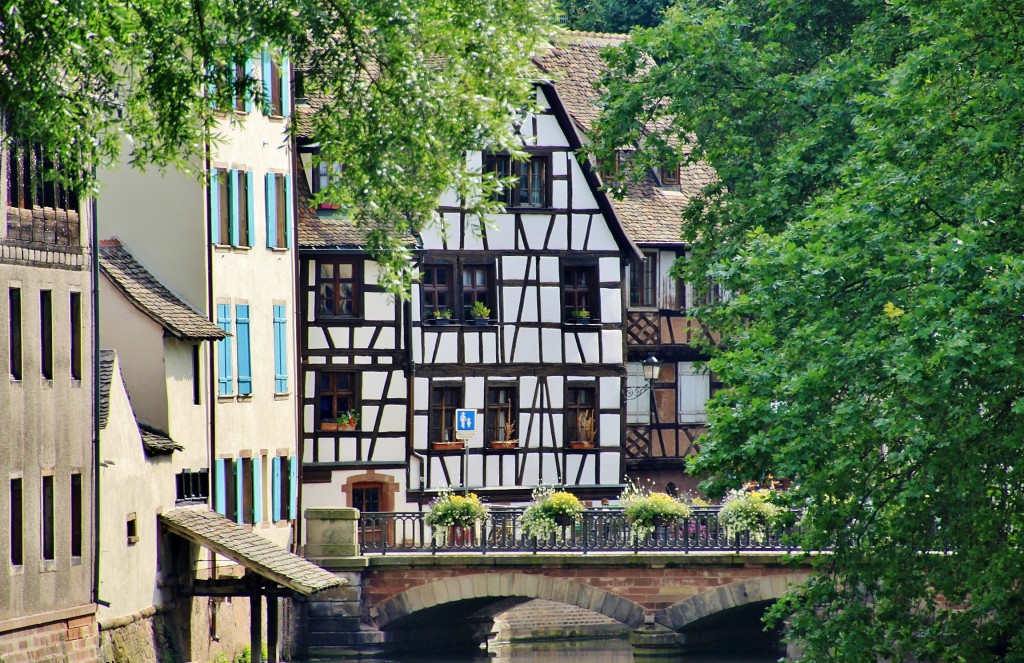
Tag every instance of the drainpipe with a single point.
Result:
(300, 384)
(410, 389)
(211, 408)
(95, 268)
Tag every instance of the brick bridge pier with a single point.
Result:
(402, 601)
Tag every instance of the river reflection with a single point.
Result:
(588, 651)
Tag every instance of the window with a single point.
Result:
(436, 289)
(225, 380)
(240, 103)
(132, 528)
(711, 293)
(30, 185)
(579, 292)
(279, 210)
(440, 291)
(579, 407)
(241, 207)
(324, 175)
(222, 188)
(443, 403)
(366, 497)
(247, 484)
(14, 315)
(192, 487)
(17, 524)
(284, 477)
(244, 354)
(227, 489)
(670, 175)
(197, 390)
(46, 333)
(280, 350)
(231, 207)
(638, 409)
(276, 99)
(643, 280)
(532, 186)
(337, 287)
(337, 394)
(47, 519)
(76, 515)
(76, 336)
(501, 413)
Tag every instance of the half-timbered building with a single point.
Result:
(665, 417)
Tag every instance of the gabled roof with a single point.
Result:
(328, 231)
(649, 213)
(206, 527)
(154, 442)
(152, 297)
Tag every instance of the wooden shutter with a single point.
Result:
(250, 184)
(694, 391)
(224, 376)
(239, 492)
(293, 488)
(280, 351)
(289, 212)
(244, 352)
(270, 203)
(265, 79)
(233, 206)
(275, 478)
(250, 70)
(214, 190)
(286, 87)
(257, 489)
(220, 487)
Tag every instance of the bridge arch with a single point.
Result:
(736, 594)
(498, 586)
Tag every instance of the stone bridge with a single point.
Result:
(397, 601)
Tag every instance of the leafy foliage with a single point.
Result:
(643, 507)
(867, 216)
(407, 87)
(617, 16)
(548, 505)
(748, 511)
(449, 509)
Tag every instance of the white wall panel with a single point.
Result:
(611, 393)
(490, 348)
(549, 272)
(393, 419)
(307, 416)
(311, 274)
(582, 196)
(449, 351)
(612, 346)
(474, 396)
(373, 384)
(550, 474)
(325, 448)
(421, 421)
(398, 385)
(392, 451)
(610, 432)
(611, 473)
(556, 385)
(514, 267)
(572, 351)
(549, 133)
(472, 346)
(316, 360)
(611, 305)
(560, 164)
(551, 303)
(527, 349)
(501, 234)
(552, 345)
(559, 195)
(531, 468)
(340, 337)
(591, 344)
(310, 306)
(378, 306)
(363, 360)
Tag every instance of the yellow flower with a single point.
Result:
(892, 311)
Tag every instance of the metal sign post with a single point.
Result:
(465, 429)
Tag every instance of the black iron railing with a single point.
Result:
(603, 529)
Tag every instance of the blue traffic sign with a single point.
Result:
(465, 424)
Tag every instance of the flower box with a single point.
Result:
(505, 444)
(581, 444)
(447, 446)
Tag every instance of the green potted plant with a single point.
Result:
(348, 420)
(452, 517)
(749, 511)
(580, 316)
(481, 314)
(646, 510)
(550, 512)
(442, 316)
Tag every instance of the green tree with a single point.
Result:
(408, 86)
(868, 221)
(616, 16)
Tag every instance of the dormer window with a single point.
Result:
(532, 189)
(670, 175)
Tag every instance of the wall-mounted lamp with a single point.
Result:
(652, 369)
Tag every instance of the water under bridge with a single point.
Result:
(688, 584)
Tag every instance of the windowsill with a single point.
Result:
(244, 398)
(76, 383)
(283, 396)
(47, 383)
(240, 249)
(460, 324)
(225, 398)
(279, 249)
(528, 210)
(338, 319)
(47, 566)
(76, 561)
(132, 540)
(222, 248)
(586, 325)
(16, 382)
(276, 117)
(16, 570)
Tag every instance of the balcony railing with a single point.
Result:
(601, 530)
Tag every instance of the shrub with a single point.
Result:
(646, 509)
(751, 511)
(448, 509)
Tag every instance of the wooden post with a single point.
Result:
(272, 629)
(255, 621)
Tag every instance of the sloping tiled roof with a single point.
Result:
(317, 231)
(156, 442)
(206, 527)
(649, 213)
(152, 297)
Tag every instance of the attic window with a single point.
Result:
(532, 188)
(670, 175)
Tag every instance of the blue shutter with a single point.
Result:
(250, 188)
(289, 214)
(233, 194)
(250, 69)
(257, 490)
(280, 351)
(286, 87)
(224, 377)
(271, 205)
(293, 485)
(219, 486)
(244, 357)
(215, 176)
(239, 492)
(275, 478)
(265, 80)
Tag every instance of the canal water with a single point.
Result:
(574, 651)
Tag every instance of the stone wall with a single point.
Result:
(146, 637)
(71, 641)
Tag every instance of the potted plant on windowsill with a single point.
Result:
(509, 440)
(448, 445)
(550, 513)
(646, 510)
(348, 420)
(586, 429)
(480, 313)
(579, 316)
(452, 517)
(442, 316)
